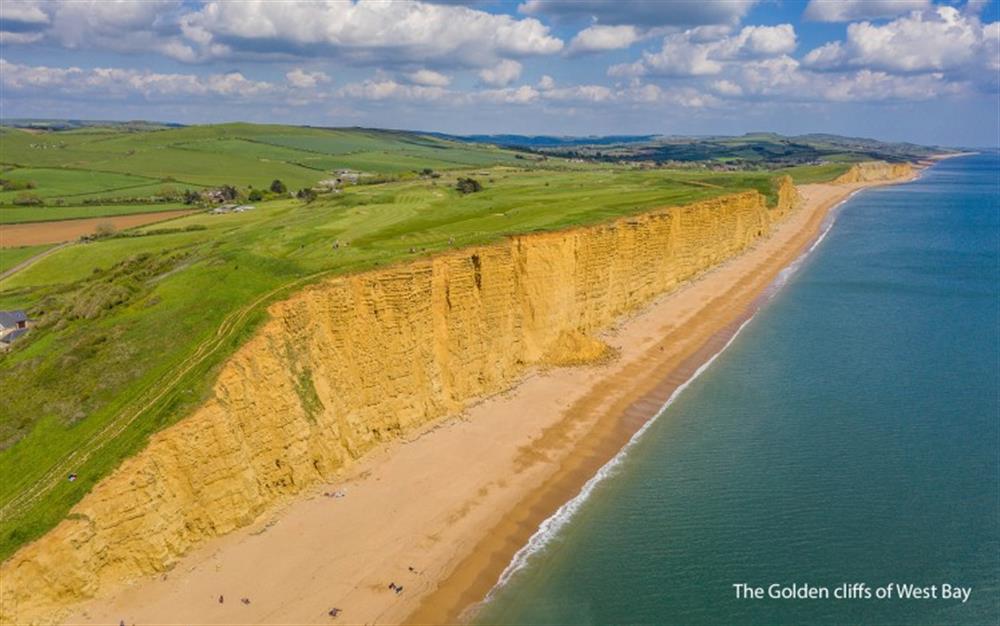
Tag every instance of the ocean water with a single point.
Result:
(849, 434)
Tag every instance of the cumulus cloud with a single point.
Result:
(580, 93)
(727, 88)
(546, 82)
(8, 37)
(388, 89)
(306, 80)
(939, 40)
(429, 78)
(643, 12)
(502, 74)
(361, 31)
(118, 25)
(785, 77)
(695, 53)
(368, 31)
(23, 12)
(600, 38)
(524, 94)
(127, 82)
(852, 10)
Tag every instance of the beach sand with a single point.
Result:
(442, 512)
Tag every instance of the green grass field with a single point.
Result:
(119, 320)
(21, 215)
(10, 257)
(65, 183)
(82, 168)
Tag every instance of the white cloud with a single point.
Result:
(121, 26)
(23, 11)
(126, 82)
(502, 74)
(785, 78)
(7, 37)
(852, 10)
(643, 12)
(580, 93)
(939, 40)
(991, 46)
(369, 31)
(546, 82)
(306, 80)
(869, 86)
(525, 94)
(759, 41)
(698, 52)
(361, 31)
(598, 38)
(627, 70)
(679, 57)
(727, 88)
(387, 89)
(638, 93)
(429, 78)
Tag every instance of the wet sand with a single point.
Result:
(441, 513)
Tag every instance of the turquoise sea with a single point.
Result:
(849, 434)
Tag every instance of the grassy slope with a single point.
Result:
(9, 257)
(132, 310)
(71, 167)
(22, 215)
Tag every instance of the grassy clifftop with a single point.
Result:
(132, 329)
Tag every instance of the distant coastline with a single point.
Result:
(493, 560)
(456, 557)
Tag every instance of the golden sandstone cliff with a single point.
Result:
(357, 360)
(871, 171)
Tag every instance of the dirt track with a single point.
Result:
(37, 233)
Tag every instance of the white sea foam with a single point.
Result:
(550, 528)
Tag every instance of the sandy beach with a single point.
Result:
(421, 529)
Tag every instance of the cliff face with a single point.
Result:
(872, 171)
(357, 360)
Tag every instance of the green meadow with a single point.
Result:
(132, 328)
(11, 257)
(23, 215)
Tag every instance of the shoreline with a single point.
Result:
(485, 481)
(455, 602)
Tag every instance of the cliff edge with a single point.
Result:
(357, 360)
(874, 171)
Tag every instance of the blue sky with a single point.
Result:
(915, 70)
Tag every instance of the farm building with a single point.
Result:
(13, 324)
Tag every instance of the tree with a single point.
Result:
(26, 198)
(255, 196)
(468, 185)
(191, 196)
(306, 194)
(278, 187)
(104, 229)
(229, 192)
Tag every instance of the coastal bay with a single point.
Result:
(485, 480)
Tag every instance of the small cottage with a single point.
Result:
(13, 324)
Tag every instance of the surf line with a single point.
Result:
(551, 526)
